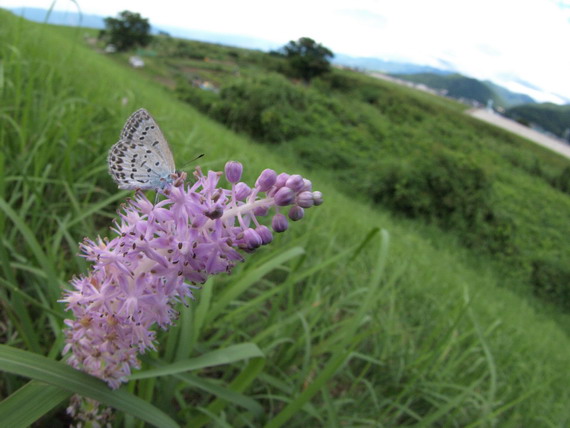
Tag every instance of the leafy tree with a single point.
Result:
(130, 29)
(307, 59)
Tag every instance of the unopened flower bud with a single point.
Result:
(252, 238)
(317, 198)
(308, 186)
(265, 234)
(296, 213)
(262, 211)
(266, 180)
(233, 171)
(305, 200)
(295, 182)
(281, 179)
(284, 196)
(279, 223)
(242, 191)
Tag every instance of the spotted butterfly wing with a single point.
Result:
(141, 159)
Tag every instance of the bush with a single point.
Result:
(562, 181)
(269, 108)
(199, 98)
(551, 281)
(445, 186)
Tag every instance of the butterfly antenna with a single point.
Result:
(193, 160)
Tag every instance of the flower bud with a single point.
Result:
(317, 198)
(296, 213)
(308, 186)
(279, 223)
(295, 182)
(242, 191)
(262, 211)
(281, 179)
(305, 199)
(266, 180)
(252, 238)
(233, 171)
(265, 234)
(284, 196)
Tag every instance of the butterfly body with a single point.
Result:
(141, 159)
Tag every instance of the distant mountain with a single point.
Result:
(462, 87)
(547, 116)
(454, 85)
(510, 99)
(57, 17)
(389, 67)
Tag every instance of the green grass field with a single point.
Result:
(358, 316)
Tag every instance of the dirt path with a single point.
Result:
(516, 128)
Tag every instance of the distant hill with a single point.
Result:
(57, 17)
(510, 99)
(547, 116)
(462, 87)
(390, 67)
(454, 85)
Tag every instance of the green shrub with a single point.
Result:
(562, 181)
(446, 186)
(269, 108)
(551, 281)
(199, 98)
(334, 81)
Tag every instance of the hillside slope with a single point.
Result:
(446, 342)
(550, 117)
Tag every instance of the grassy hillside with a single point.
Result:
(412, 328)
(550, 117)
(416, 154)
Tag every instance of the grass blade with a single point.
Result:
(61, 375)
(31, 402)
(219, 357)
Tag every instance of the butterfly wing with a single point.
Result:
(141, 159)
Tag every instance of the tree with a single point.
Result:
(127, 31)
(307, 58)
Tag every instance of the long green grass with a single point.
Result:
(353, 318)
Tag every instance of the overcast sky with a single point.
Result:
(517, 43)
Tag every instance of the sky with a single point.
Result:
(520, 44)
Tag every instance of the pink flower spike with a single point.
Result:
(157, 257)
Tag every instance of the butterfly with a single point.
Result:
(141, 159)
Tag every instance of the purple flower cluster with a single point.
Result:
(161, 252)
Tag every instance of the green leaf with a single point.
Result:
(61, 375)
(30, 402)
(30, 238)
(219, 357)
(249, 278)
(240, 383)
(225, 394)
